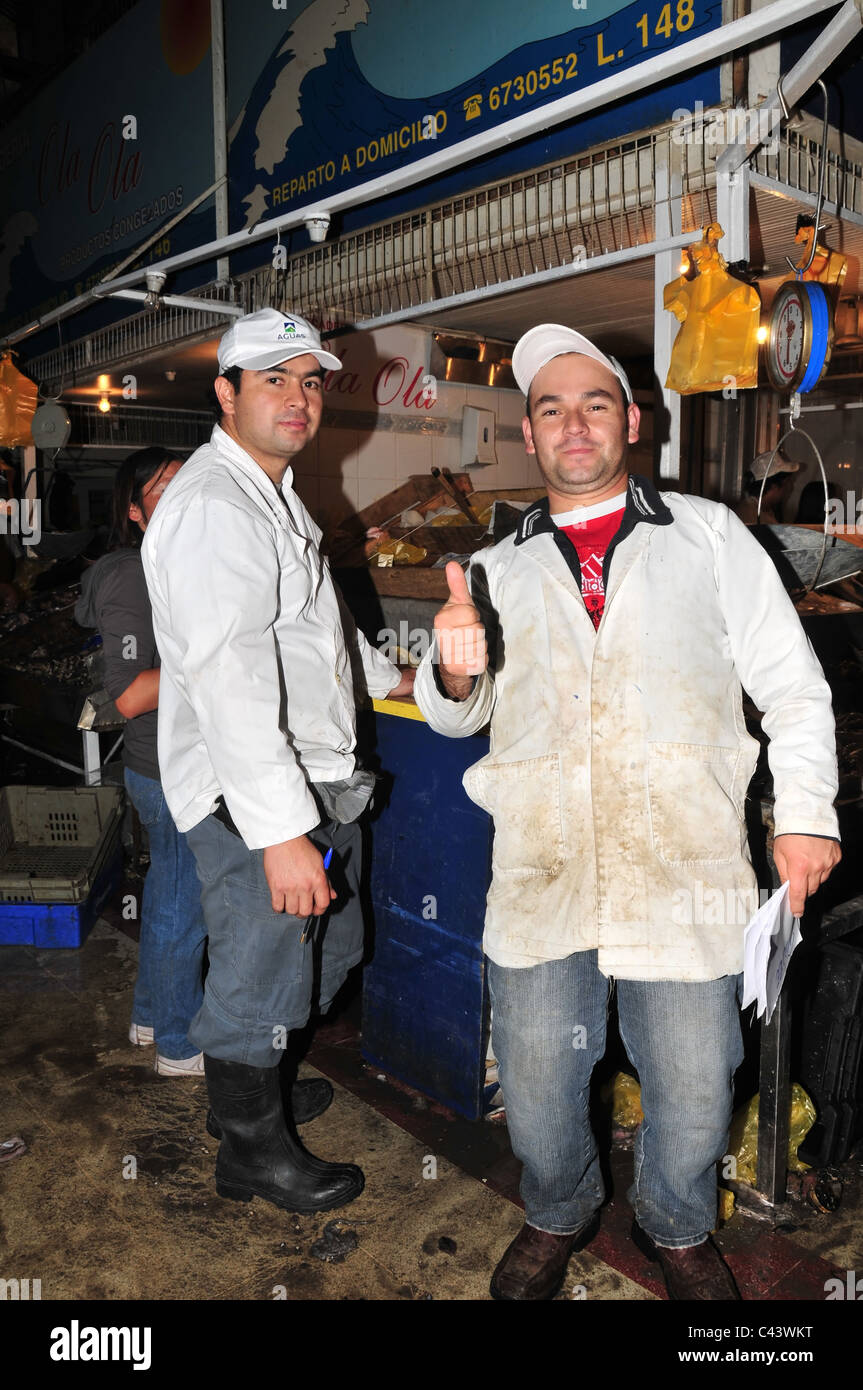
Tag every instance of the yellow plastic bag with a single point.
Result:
(624, 1093)
(18, 397)
(717, 344)
(743, 1144)
(726, 1204)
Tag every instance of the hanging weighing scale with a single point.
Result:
(799, 345)
(800, 338)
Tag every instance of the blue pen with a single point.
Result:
(328, 859)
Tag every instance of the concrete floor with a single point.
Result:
(115, 1199)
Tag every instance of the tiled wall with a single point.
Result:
(346, 468)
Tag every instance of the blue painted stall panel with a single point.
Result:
(424, 999)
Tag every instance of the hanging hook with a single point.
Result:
(802, 434)
(822, 168)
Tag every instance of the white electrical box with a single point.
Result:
(477, 437)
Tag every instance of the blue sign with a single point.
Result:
(358, 87)
(322, 97)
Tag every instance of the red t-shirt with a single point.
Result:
(591, 530)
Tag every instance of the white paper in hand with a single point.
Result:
(768, 944)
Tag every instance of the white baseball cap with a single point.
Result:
(539, 345)
(268, 337)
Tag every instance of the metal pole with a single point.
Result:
(666, 266)
(732, 211)
(92, 758)
(157, 236)
(179, 301)
(37, 752)
(774, 1103)
(800, 195)
(220, 133)
(31, 487)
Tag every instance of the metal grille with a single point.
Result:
(795, 162)
(131, 427)
(602, 200)
(698, 185)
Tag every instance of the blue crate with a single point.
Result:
(49, 925)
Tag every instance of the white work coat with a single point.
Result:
(619, 758)
(256, 695)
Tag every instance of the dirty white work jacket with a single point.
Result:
(619, 758)
(256, 695)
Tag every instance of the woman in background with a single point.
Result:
(114, 598)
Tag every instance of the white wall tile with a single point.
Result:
(414, 454)
(370, 489)
(451, 397)
(510, 408)
(337, 453)
(483, 397)
(446, 452)
(376, 457)
(512, 466)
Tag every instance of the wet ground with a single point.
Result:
(114, 1198)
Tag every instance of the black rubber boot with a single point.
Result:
(259, 1156)
(308, 1100)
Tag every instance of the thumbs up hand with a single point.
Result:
(460, 636)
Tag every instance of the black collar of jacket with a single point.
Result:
(643, 503)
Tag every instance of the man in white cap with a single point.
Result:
(779, 472)
(621, 624)
(257, 731)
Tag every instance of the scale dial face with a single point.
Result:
(789, 337)
(801, 336)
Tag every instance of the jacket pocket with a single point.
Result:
(523, 799)
(693, 814)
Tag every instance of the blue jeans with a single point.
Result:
(684, 1039)
(168, 990)
(263, 976)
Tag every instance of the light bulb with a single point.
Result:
(104, 405)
